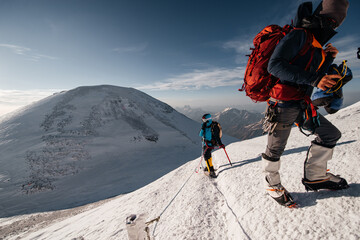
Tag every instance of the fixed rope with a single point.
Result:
(157, 219)
(232, 211)
(172, 200)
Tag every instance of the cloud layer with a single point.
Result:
(347, 48)
(11, 100)
(199, 79)
(131, 49)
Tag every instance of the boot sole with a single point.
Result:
(324, 186)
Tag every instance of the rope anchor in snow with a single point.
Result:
(147, 229)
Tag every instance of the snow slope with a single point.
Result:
(233, 206)
(89, 144)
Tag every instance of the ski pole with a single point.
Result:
(198, 166)
(227, 157)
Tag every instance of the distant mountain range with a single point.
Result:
(241, 124)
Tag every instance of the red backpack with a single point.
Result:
(258, 82)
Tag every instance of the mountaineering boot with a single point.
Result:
(272, 183)
(332, 183)
(315, 170)
(209, 164)
(212, 174)
(280, 195)
(210, 168)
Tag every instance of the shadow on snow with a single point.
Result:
(304, 199)
(308, 199)
(286, 152)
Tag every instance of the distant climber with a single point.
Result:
(211, 134)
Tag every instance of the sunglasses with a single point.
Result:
(205, 119)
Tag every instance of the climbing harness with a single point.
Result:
(270, 122)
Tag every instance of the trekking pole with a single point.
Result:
(198, 166)
(227, 157)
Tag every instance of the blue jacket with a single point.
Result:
(205, 132)
(294, 73)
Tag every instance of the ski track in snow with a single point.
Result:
(233, 206)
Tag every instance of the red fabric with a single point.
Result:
(285, 92)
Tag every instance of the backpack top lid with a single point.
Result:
(206, 117)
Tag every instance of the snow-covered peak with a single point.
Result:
(98, 141)
(227, 109)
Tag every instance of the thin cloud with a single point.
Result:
(241, 47)
(11, 100)
(349, 55)
(199, 79)
(26, 52)
(347, 41)
(348, 47)
(16, 49)
(131, 49)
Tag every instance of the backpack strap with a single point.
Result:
(311, 42)
(306, 47)
(216, 136)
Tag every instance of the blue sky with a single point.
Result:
(181, 52)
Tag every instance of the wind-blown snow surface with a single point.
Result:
(89, 144)
(233, 206)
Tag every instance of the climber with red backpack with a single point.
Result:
(297, 63)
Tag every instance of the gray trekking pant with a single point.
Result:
(319, 152)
